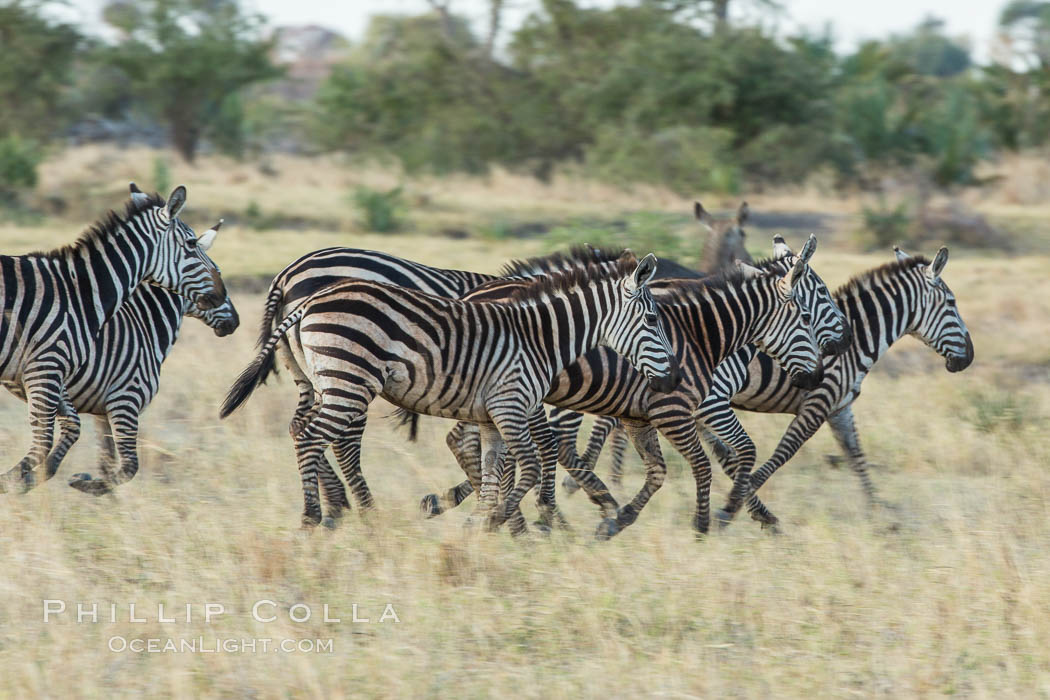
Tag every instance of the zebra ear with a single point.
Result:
(644, 273)
(901, 255)
(176, 201)
(933, 272)
(748, 271)
(789, 281)
(807, 250)
(700, 213)
(742, 213)
(780, 248)
(137, 195)
(208, 237)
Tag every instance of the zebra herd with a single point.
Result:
(648, 347)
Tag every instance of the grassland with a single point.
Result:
(945, 595)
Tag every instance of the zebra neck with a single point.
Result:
(879, 314)
(564, 327)
(102, 269)
(738, 315)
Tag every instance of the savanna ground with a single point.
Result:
(946, 595)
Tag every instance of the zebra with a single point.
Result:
(905, 297)
(490, 363)
(56, 302)
(120, 375)
(833, 336)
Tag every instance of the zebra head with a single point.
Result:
(178, 260)
(787, 336)
(222, 319)
(634, 329)
(938, 322)
(832, 330)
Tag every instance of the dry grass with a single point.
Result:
(947, 596)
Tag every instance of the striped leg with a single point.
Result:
(506, 471)
(737, 454)
(619, 451)
(464, 441)
(681, 431)
(545, 439)
(43, 389)
(107, 450)
(124, 423)
(348, 454)
(513, 427)
(801, 429)
(335, 503)
(341, 403)
(845, 432)
(645, 440)
(68, 434)
(492, 445)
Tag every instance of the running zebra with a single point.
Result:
(56, 302)
(121, 375)
(818, 309)
(489, 363)
(906, 297)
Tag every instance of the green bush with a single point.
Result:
(379, 210)
(19, 159)
(687, 160)
(888, 226)
(1002, 410)
(161, 176)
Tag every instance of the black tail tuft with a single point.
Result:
(411, 420)
(252, 376)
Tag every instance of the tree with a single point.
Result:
(187, 61)
(36, 69)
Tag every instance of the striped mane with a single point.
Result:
(864, 279)
(110, 224)
(576, 277)
(559, 262)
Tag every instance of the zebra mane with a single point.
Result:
(566, 280)
(578, 255)
(889, 269)
(110, 223)
(687, 290)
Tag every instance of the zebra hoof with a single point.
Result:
(85, 484)
(430, 505)
(570, 485)
(330, 523)
(772, 528)
(723, 518)
(542, 528)
(607, 529)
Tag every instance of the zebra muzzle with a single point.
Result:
(957, 363)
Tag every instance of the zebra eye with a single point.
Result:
(191, 243)
(806, 317)
(950, 302)
(651, 319)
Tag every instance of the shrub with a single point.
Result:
(19, 159)
(1002, 410)
(888, 226)
(379, 210)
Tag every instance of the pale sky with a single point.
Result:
(852, 20)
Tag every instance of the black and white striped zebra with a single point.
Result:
(832, 334)
(56, 302)
(121, 375)
(489, 363)
(907, 297)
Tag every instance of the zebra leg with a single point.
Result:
(107, 450)
(738, 457)
(543, 436)
(68, 434)
(513, 426)
(845, 432)
(348, 455)
(488, 490)
(645, 440)
(464, 441)
(506, 469)
(681, 432)
(619, 451)
(801, 429)
(333, 495)
(125, 436)
(43, 388)
(585, 477)
(565, 425)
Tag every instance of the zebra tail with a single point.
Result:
(409, 418)
(273, 302)
(256, 373)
